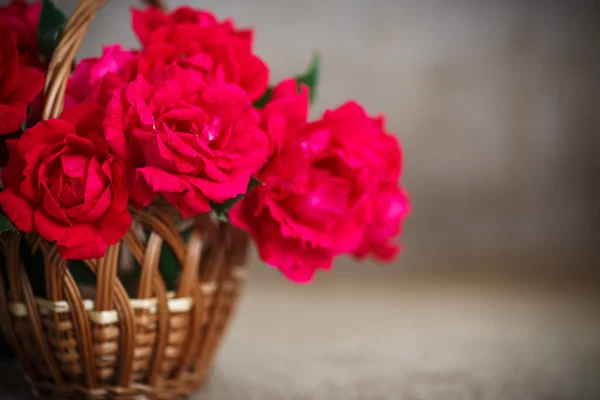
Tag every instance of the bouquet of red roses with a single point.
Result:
(189, 119)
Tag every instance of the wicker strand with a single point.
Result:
(11, 335)
(34, 321)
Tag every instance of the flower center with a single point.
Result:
(210, 130)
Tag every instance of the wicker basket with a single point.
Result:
(100, 343)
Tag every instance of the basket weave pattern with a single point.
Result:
(160, 344)
(106, 345)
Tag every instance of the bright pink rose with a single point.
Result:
(63, 182)
(191, 143)
(94, 79)
(390, 207)
(195, 39)
(22, 19)
(389, 202)
(286, 110)
(19, 84)
(321, 189)
(147, 21)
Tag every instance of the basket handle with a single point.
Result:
(64, 54)
(57, 77)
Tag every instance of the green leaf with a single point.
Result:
(50, 27)
(81, 273)
(6, 225)
(222, 209)
(26, 122)
(309, 78)
(168, 265)
(265, 98)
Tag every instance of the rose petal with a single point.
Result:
(99, 207)
(114, 226)
(86, 251)
(96, 180)
(10, 63)
(113, 127)
(222, 191)
(17, 209)
(12, 116)
(31, 83)
(193, 203)
(87, 117)
(51, 131)
(74, 166)
(79, 235)
(48, 227)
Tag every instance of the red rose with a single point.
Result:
(19, 84)
(63, 182)
(195, 39)
(321, 189)
(22, 19)
(187, 141)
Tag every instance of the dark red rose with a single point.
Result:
(330, 188)
(195, 39)
(3, 153)
(22, 18)
(189, 142)
(19, 84)
(63, 182)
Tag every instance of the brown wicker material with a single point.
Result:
(104, 343)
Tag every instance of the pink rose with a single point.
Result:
(390, 207)
(189, 142)
(195, 39)
(322, 189)
(94, 79)
(63, 182)
(147, 21)
(389, 202)
(286, 110)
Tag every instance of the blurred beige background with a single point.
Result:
(497, 107)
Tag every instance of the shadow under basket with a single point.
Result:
(122, 337)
